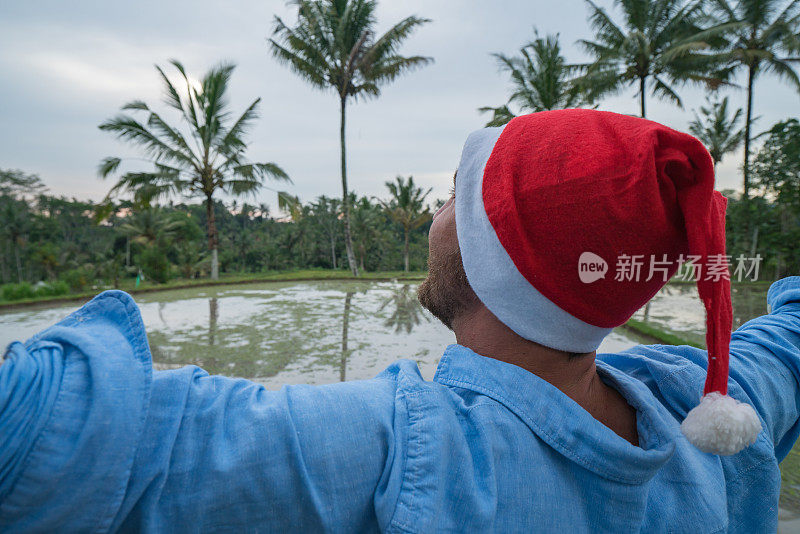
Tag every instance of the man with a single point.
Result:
(523, 429)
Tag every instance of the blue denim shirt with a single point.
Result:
(92, 439)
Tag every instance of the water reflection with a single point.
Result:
(212, 319)
(345, 321)
(677, 308)
(293, 333)
(406, 310)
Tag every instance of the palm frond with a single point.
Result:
(108, 166)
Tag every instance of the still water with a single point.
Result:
(328, 331)
(283, 333)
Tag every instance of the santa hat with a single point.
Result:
(555, 210)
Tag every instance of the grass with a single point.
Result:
(129, 285)
(659, 335)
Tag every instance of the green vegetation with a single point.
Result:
(60, 247)
(407, 208)
(716, 130)
(540, 80)
(206, 161)
(659, 335)
(761, 36)
(657, 45)
(768, 221)
(334, 46)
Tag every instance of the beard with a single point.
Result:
(446, 292)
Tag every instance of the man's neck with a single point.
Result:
(480, 331)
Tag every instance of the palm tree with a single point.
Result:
(407, 207)
(150, 225)
(334, 46)
(657, 45)
(718, 131)
(541, 80)
(763, 38)
(205, 160)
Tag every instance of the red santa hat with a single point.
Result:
(569, 221)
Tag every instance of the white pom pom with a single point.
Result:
(721, 425)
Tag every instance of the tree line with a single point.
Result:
(71, 245)
(57, 245)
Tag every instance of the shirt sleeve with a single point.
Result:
(221, 453)
(765, 362)
(92, 439)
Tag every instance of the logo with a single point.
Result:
(591, 267)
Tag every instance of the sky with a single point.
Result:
(65, 67)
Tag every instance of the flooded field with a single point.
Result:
(283, 333)
(322, 332)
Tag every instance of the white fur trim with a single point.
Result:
(721, 425)
(491, 271)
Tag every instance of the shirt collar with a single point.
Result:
(562, 423)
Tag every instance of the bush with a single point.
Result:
(53, 289)
(17, 291)
(76, 279)
(28, 291)
(155, 265)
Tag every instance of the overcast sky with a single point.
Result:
(68, 66)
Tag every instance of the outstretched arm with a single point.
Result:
(765, 362)
(764, 367)
(92, 439)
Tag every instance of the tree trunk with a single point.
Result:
(405, 250)
(348, 241)
(333, 251)
(345, 322)
(642, 89)
(212, 237)
(19, 263)
(4, 276)
(748, 119)
(127, 251)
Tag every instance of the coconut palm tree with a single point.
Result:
(407, 208)
(657, 45)
(334, 45)
(150, 225)
(541, 80)
(202, 158)
(763, 37)
(718, 131)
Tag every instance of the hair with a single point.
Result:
(576, 355)
(446, 292)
